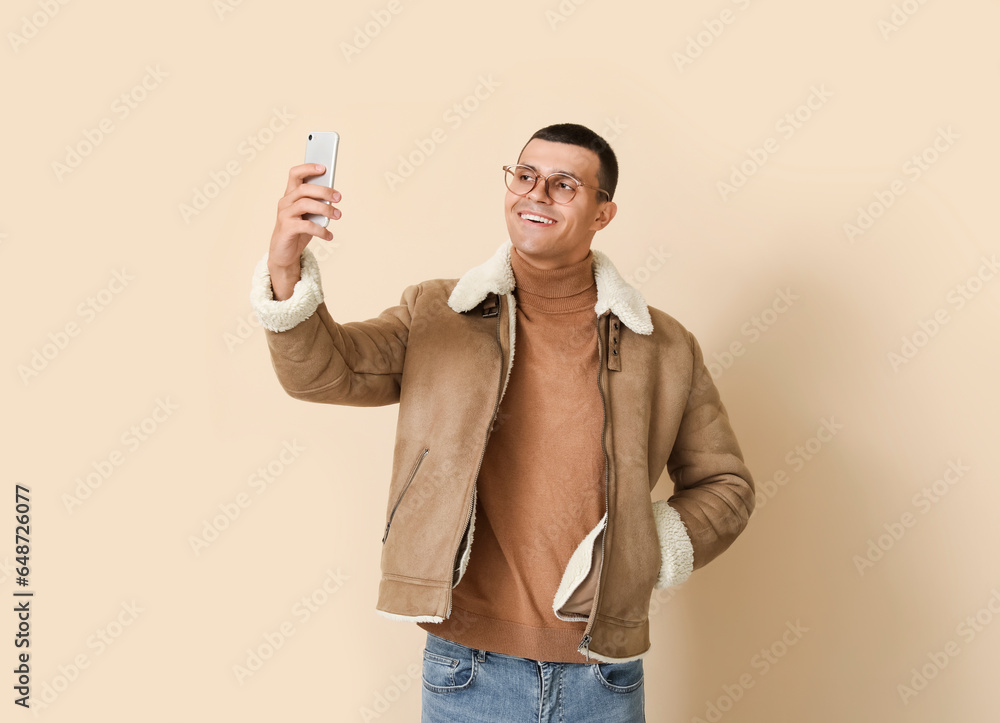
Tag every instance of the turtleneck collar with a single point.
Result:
(568, 288)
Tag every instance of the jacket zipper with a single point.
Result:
(482, 454)
(584, 646)
(399, 499)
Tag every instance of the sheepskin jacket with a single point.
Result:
(444, 354)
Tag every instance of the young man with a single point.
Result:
(520, 531)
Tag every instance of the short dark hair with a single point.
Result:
(578, 135)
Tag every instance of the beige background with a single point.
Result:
(180, 334)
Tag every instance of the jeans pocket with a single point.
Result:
(445, 674)
(620, 677)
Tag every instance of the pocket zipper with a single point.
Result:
(399, 499)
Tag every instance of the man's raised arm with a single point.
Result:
(315, 358)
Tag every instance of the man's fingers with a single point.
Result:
(311, 228)
(298, 189)
(311, 205)
(304, 170)
(309, 190)
(321, 192)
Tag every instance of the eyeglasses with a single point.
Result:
(560, 187)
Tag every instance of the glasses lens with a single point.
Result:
(562, 188)
(520, 180)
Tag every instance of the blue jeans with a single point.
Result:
(464, 685)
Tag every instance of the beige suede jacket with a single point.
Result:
(444, 353)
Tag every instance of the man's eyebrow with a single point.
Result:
(568, 173)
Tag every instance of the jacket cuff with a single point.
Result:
(676, 551)
(307, 295)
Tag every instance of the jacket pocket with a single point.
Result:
(399, 498)
(575, 596)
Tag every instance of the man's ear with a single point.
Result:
(604, 216)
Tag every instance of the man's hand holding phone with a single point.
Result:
(293, 229)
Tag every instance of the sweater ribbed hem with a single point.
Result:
(554, 645)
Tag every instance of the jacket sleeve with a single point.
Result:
(713, 489)
(317, 359)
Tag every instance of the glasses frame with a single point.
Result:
(509, 169)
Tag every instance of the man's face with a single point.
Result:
(566, 239)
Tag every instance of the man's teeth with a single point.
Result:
(532, 217)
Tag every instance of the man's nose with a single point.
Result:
(540, 193)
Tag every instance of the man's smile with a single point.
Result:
(536, 218)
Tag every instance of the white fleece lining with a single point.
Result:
(605, 659)
(676, 552)
(494, 274)
(512, 324)
(576, 570)
(613, 292)
(463, 563)
(307, 294)
(412, 618)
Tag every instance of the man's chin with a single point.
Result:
(527, 238)
(535, 250)
(527, 245)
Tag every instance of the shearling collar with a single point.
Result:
(613, 292)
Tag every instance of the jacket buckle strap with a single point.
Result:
(614, 352)
(491, 305)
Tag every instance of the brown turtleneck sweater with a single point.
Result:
(541, 484)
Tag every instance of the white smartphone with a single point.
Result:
(321, 147)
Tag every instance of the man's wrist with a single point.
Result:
(283, 280)
(279, 308)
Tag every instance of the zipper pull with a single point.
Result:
(584, 646)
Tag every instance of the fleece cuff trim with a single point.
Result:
(307, 295)
(676, 551)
